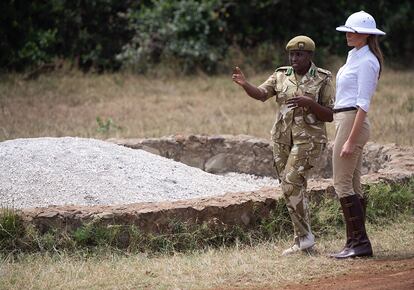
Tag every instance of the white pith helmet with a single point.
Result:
(360, 22)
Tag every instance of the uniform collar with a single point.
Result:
(312, 72)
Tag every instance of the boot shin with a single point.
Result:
(357, 244)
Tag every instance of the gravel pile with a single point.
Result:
(38, 172)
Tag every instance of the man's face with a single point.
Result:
(300, 60)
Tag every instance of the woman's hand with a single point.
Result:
(347, 149)
(238, 77)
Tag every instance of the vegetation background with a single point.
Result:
(207, 35)
(107, 68)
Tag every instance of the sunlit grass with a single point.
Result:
(68, 104)
(243, 266)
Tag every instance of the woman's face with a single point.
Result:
(357, 40)
(300, 60)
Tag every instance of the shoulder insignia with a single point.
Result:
(287, 69)
(312, 72)
(324, 71)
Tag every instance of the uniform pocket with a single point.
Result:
(309, 117)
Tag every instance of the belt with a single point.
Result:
(344, 109)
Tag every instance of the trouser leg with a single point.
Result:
(294, 183)
(281, 154)
(347, 170)
(356, 177)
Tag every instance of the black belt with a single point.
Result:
(344, 109)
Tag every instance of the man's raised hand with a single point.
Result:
(238, 76)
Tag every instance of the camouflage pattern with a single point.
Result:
(292, 165)
(298, 137)
(299, 125)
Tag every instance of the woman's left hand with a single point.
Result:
(347, 149)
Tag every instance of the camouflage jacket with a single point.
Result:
(299, 125)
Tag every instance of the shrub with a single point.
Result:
(189, 31)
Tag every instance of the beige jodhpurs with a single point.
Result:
(347, 170)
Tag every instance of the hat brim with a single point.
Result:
(364, 30)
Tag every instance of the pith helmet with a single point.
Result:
(360, 22)
(301, 42)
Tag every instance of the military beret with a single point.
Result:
(301, 42)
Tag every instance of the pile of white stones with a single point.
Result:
(39, 172)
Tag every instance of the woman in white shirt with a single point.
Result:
(356, 82)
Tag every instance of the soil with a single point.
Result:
(374, 275)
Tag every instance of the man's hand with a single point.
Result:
(300, 101)
(238, 77)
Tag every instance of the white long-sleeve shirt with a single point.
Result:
(357, 79)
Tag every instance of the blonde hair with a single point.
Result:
(376, 50)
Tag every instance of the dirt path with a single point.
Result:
(375, 275)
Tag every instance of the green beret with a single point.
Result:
(301, 42)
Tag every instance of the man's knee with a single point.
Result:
(287, 189)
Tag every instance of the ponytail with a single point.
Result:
(376, 50)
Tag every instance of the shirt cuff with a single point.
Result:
(363, 105)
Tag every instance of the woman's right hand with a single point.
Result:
(238, 77)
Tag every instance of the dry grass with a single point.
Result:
(67, 104)
(259, 266)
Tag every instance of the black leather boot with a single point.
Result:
(357, 244)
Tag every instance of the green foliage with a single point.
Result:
(186, 34)
(39, 50)
(88, 33)
(92, 235)
(189, 31)
(106, 126)
(11, 229)
(388, 201)
(277, 224)
(326, 216)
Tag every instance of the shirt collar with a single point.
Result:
(359, 52)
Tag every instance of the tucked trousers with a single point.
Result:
(347, 170)
(292, 164)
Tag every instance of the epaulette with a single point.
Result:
(324, 71)
(288, 70)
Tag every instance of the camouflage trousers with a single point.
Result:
(292, 164)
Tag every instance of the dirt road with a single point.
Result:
(375, 275)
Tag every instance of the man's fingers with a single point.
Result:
(236, 70)
(294, 99)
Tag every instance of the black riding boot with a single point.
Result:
(357, 244)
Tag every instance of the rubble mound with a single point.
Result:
(202, 155)
(39, 172)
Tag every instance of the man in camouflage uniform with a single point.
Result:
(305, 95)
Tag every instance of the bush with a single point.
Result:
(11, 230)
(388, 201)
(189, 31)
